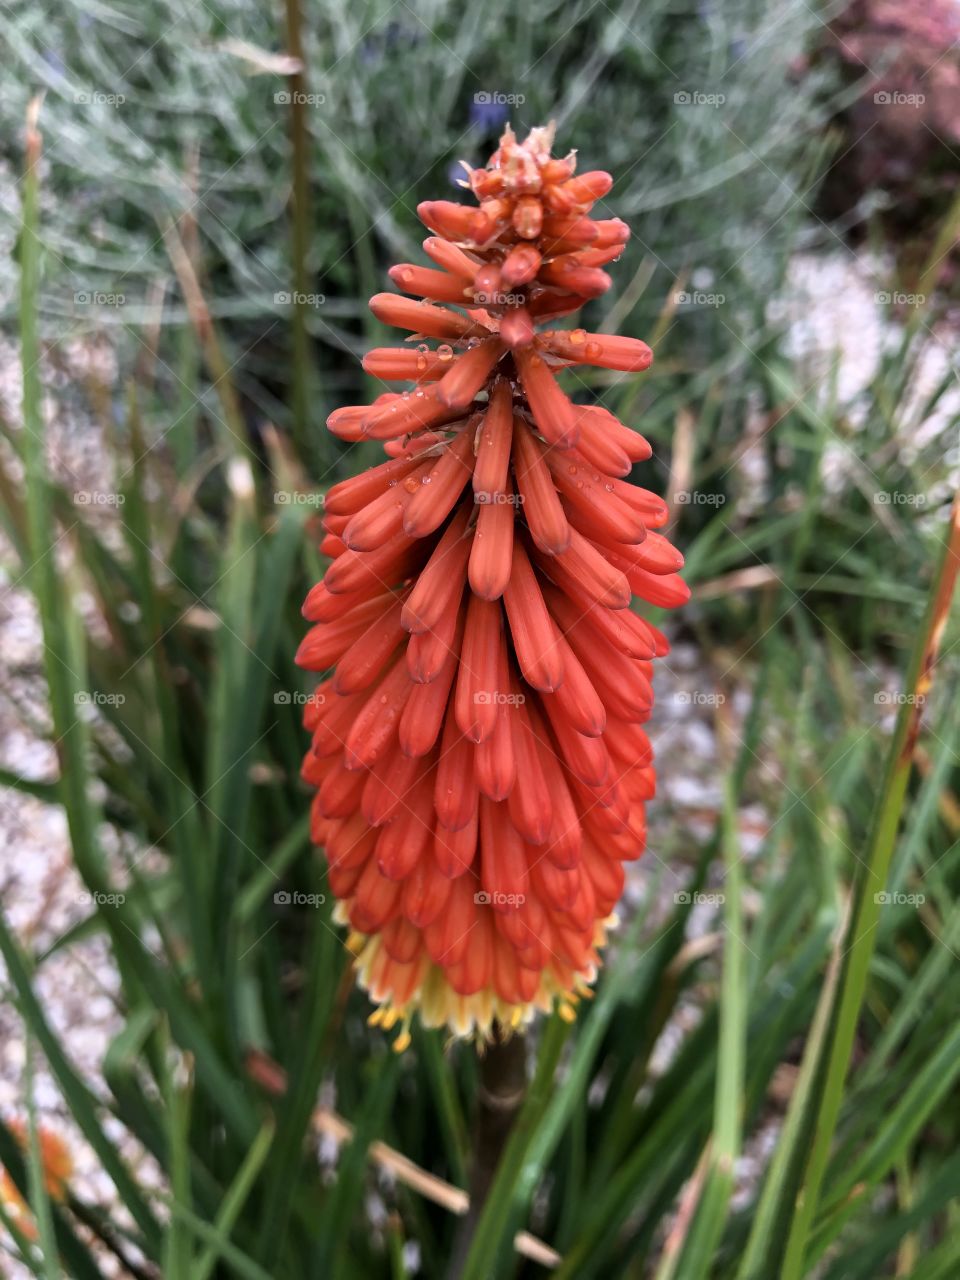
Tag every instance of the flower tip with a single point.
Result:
(516, 327)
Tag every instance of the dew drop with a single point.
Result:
(577, 336)
(593, 349)
(422, 348)
(445, 351)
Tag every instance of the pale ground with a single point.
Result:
(43, 895)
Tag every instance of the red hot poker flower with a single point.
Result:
(478, 750)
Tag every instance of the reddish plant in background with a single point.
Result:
(478, 751)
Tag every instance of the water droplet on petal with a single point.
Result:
(593, 349)
(577, 336)
(445, 351)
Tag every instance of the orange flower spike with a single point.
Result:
(477, 752)
(493, 445)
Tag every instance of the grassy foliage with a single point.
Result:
(805, 1119)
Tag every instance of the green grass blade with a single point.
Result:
(235, 1197)
(866, 911)
(693, 1260)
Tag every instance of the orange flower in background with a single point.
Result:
(57, 1170)
(478, 750)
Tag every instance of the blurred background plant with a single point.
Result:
(222, 187)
